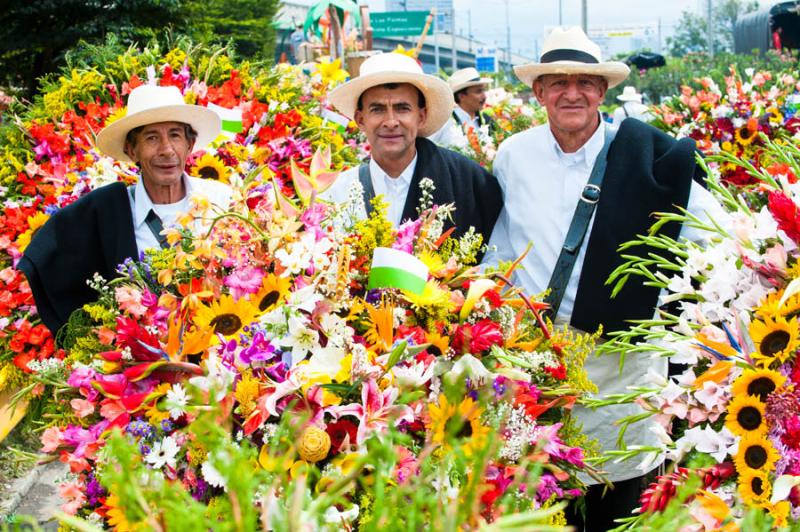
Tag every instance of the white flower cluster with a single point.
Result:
(46, 367)
(519, 432)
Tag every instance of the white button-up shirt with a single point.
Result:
(542, 185)
(218, 194)
(393, 189)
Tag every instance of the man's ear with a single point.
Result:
(358, 118)
(423, 116)
(129, 152)
(538, 90)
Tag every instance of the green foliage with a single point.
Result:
(691, 34)
(247, 24)
(35, 36)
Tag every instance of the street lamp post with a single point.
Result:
(508, 36)
(560, 13)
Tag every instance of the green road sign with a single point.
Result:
(397, 23)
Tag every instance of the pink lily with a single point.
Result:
(376, 410)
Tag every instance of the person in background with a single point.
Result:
(632, 107)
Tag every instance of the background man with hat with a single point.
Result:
(396, 105)
(632, 107)
(469, 92)
(577, 192)
(114, 222)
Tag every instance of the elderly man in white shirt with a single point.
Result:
(576, 217)
(114, 222)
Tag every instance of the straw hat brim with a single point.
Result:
(207, 123)
(636, 98)
(438, 96)
(468, 84)
(614, 71)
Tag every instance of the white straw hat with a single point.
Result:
(151, 104)
(397, 68)
(466, 77)
(629, 94)
(569, 51)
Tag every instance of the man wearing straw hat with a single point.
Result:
(632, 107)
(469, 92)
(577, 193)
(114, 222)
(396, 105)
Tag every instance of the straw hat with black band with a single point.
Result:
(152, 104)
(465, 78)
(569, 51)
(397, 68)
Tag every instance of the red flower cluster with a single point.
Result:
(478, 338)
(784, 211)
(31, 342)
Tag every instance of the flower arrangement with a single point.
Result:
(728, 419)
(327, 390)
(50, 157)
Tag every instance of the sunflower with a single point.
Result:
(462, 421)
(746, 416)
(754, 486)
(770, 306)
(745, 135)
(226, 316)
(116, 517)
(774, 340)
(211, 167)
(34, 223)
(439, 344)
(755, 452)
(779, 512)
(759, 383)
(273, 291)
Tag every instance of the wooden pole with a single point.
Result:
(421, 40)
(366, 27)
(336, 34)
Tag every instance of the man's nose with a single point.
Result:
(165, 146)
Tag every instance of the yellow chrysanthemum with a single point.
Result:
(755, 452)
(226, 316)
(770, 306)
(247, 391)
(758, 383)
(211, 167)
(775, 340)
(432, 298)
(433, 261)
(754, 486)
(462, 421)
(746, 416)
(273, 291)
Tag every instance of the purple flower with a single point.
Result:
(244, 281)
(406, 235)
(259, 350)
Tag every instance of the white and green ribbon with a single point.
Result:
(231, 118)
(340, 122)
(392, 268)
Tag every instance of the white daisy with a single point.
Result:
(163, 453)
(177, 401)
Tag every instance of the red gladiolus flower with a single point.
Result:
(784, 211)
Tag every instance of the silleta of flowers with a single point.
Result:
(732, 414)
(267, 316)
(279, 117)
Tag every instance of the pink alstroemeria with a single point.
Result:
(376, 410)
(244, 281)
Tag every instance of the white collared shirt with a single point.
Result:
(541, 185)
(464, 118)
(218, 194)
(393, 189)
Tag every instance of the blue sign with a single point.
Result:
(486, 59)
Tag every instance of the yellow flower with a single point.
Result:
(775, 340)
(34, 223)
(432, 298)
(380, 325)
(116, 517)
(770, 306)
(314, 444)
(211, 167)
(755, 452)
(247, 391)
(745, 136)
(754, 486)
(273, 291)
(758, 383)
(746, 416)
(440, 345)
(411, 52)
(779, 512)
(462, 421)
(331, 71)
(225, 317)
(433, 261)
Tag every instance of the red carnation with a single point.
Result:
(485, 334)
(784, 211)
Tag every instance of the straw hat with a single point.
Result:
(466, 77)
(151, 104)
(397, 68)
(569, 51)
(629, 94)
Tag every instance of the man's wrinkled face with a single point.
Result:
(571, 100)
(160, 150)
(391, 118)
(473, 99)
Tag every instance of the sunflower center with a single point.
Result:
(434, 350)
(761, 387)
(755, 456)
(465, 431)
(774, 343)
(749, 418)
(268, 300)
(208, 172)
(226, 324)
(757, 485)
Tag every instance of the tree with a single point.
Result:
(34, 36)
(245, 23)
(691, 33)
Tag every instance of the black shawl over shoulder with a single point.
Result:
(458, 180)
(648, 171)
(92, 235)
